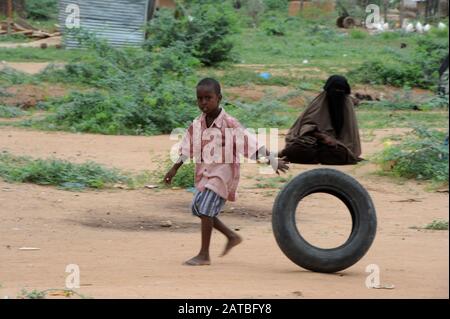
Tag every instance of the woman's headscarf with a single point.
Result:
(337, 89)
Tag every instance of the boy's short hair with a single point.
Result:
(212, 83)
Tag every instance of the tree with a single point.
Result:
(18, 7)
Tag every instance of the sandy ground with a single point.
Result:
(50, 42)
(115, 236)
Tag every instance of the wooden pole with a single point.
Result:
(385, 5)
(402, 12)
(10, 16)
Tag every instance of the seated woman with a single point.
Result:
(327, 131)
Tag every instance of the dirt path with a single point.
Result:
(116, 239)
(25, 67)
(50, 42)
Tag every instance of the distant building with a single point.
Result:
(120, 21)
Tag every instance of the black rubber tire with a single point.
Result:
(349, 23)
(349, 191)
(340, 22)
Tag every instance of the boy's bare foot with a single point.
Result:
(198, 261)
(232, 241)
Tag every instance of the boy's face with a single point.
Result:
(207, 99)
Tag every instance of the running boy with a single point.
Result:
(217, 164)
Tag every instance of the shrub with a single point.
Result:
(274, 26)
(10, 112)
(57, 172)
(185, 177)
(396, 74)
(422, 155)
(276, 4)
(204, 31)
(429, 55)
(437, 225)
(11, 77)
(255, 9)
(143, 92)
(41, 9)
(170, 106)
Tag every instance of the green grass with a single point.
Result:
(59, 173)
(272, 182)
(437, 225)
(325, 48)
(378, 119)
(358, 34)
(17, 38)
(45, 25)
(233, 76)
(406, 101)
(41, 55)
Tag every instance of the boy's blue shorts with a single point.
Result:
(207, 203)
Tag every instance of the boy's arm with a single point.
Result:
(278, 164)
(173, 171)
(185, 152)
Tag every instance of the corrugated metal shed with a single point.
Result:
(118, 21)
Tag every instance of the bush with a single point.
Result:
(429, 55)
(41, 9)
(185, 177)
(274, 26)
(255, 9)
(11, 77)
(143, 92)
(276, 4)
(396, 74)
(10, 112)
(170, 106)
(124, 68)
(437, 225)
(422, 155)
(57, 172)
(204, 31)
